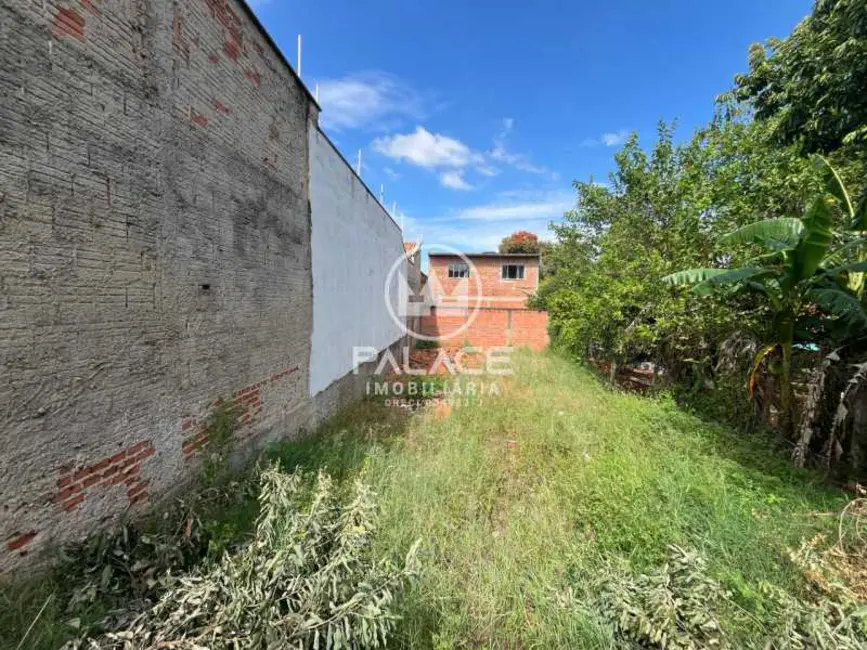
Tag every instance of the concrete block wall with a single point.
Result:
(154, 253)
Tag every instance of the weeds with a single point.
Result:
(679, 606)
(221, 425)
(674, 607)
(306, 579)
(556, 484)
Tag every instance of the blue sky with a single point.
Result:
(477, 115)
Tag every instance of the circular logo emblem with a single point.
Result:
(448, 292)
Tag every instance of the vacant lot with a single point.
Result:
(530, 502)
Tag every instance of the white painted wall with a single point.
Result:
(355, 243)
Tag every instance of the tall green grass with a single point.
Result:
(525, 495)
(524, 499)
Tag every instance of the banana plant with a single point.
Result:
(805, 267)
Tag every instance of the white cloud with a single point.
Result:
(610, 139)
(426, 149)
(471, 236)
(454, 180)
(615, 139)
(435, 151)
(545, 208)
(367, 100)
(501, 154)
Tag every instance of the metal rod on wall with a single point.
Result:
(299, 55)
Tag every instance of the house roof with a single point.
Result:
(487, 254)
(410, 248)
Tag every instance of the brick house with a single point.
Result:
(506, 280)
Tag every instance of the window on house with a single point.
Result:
(459, 271)
(513, 271)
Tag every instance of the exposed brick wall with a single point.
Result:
(497, 293)
(489, 328)
(124, 467)
(247, 403)
(154, 251)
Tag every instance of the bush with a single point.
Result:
(307, 579)
(674, 607)
(679, 606)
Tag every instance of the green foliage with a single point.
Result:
(221, 425)
(662, 211)
(103, 581)
(307, 579)
(799, 624)
(809, 87)
(796, 278)
(774, 233)
(680, 606)
(518, 498)
(674, 607)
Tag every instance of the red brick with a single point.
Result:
(93, 479)
(82, 473)
(137, 447)
(198, 118)
(66, 492)
(73, 503)
(68, 22)
(132, 469)
(136, 488)
(230, 49)
(117, 457)
(117, 479)
(101, 465)
(20, 541)
(502, 294)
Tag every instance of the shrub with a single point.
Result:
(679, 606)
(307, 579)
(674, 607)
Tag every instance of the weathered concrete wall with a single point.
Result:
(154, 252)
(355, 245)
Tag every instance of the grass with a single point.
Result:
(528, 495)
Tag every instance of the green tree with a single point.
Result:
(804, 267)
(810, 86)
(663, 210)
